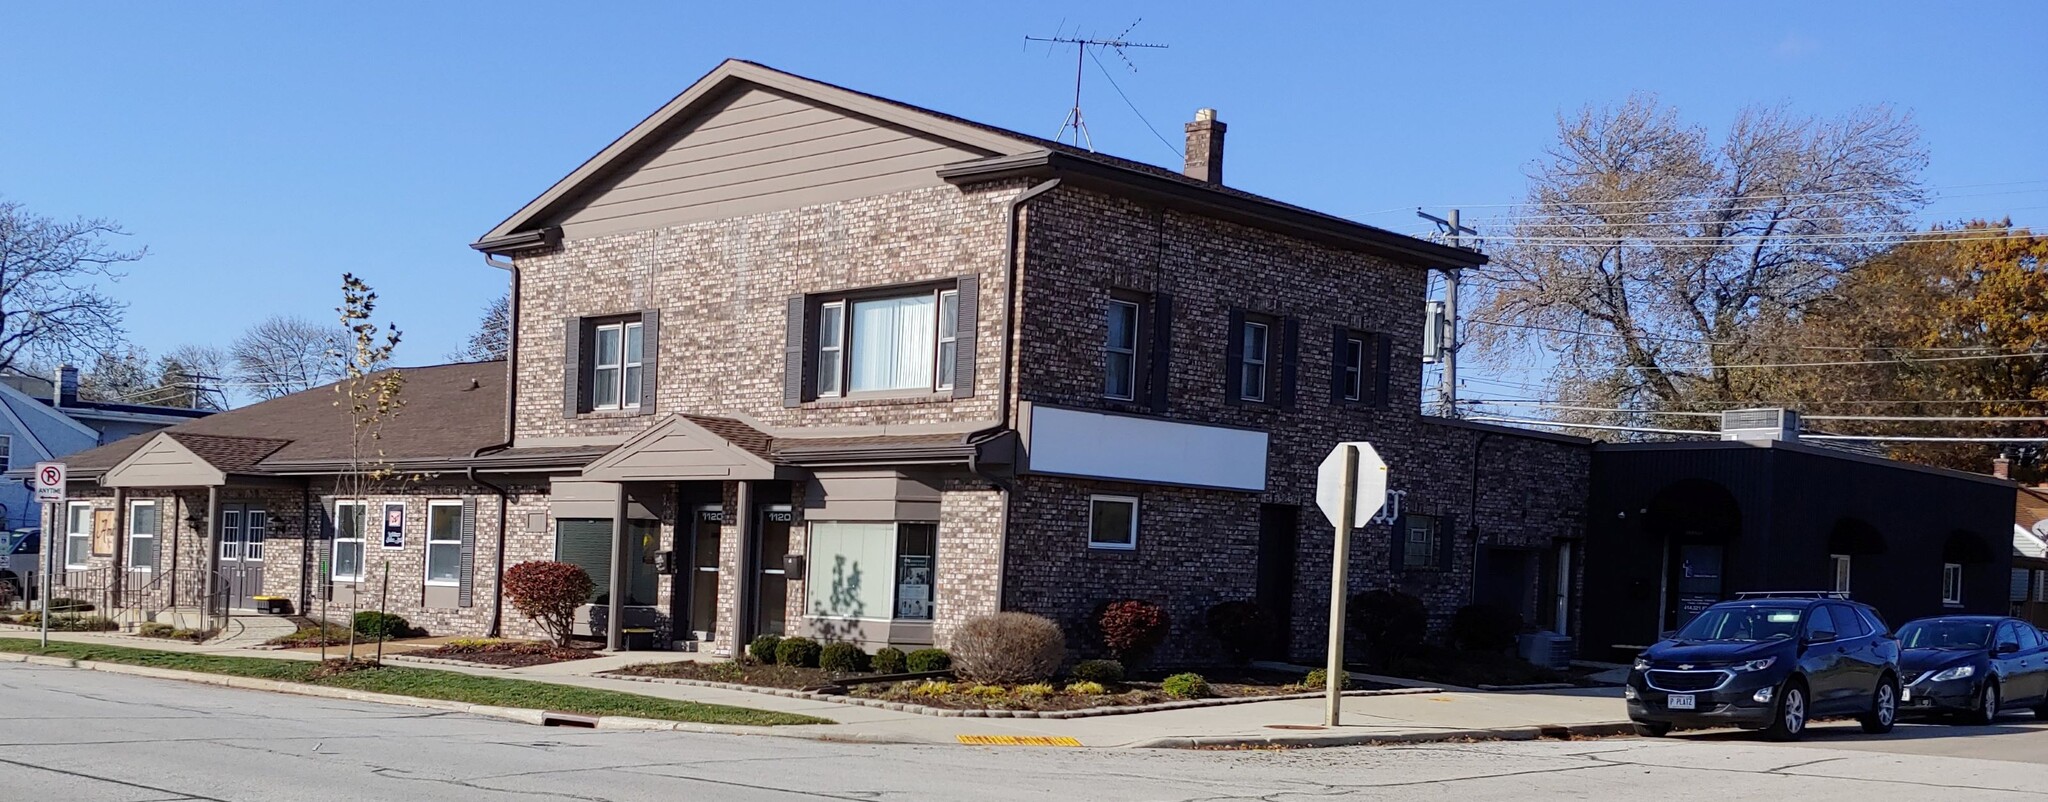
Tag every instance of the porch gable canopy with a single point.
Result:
(683, 447)
(181, 459)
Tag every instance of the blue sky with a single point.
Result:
(259, 150)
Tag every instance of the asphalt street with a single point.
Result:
(93, 737)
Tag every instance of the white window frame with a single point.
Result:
(255, 532)
(1432, 544)
(1354, 367)
(1842, 565)
(340, 537)
(1111, 352)
(946, 341)
(1250, 361)
(1952, 583)
(1113, 499)
(155, 555)
(231, 547)
(627, 331)
(85, 535)
(832, 383)
(6, 450)
(428, 563)
(2041, 587)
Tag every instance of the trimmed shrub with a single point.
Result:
(1086, 689)
(797, 653)
(373, 624)
(1485, 628)
(1319, 680)
(1131, 629)
(155, 630)
(1036, 690)
(924, 660)
(60, 604)
(986, 693)
(1185, 686)
(1008, 648)
(932, 687)
(83, 623)
(31, 618)
(1106, 672)
(1391, 622)
(844, 658)
(763, 649)
(548, 593)
(1241, 627)
(888, 660)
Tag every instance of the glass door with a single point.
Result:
(771, 585)
(703, 572)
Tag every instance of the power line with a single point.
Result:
(1705, 198)
(1855, 418)
(1134, 107)
(1842, 238)
(1594, 426)
(1918, 439)
(1700, 217)
(1661, 338)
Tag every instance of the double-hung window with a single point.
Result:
(142, 526)
(350, 517)
(615, 368)
(1951, 583)
(1251, 379)
(1351, 368)
(78, 534)
(1841, 564)
(1120, 351)
(444, 542)
(894, 343)
(1420, 548)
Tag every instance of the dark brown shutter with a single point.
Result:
(466, 566)
(1382, 370)
(323, 550)
(1340, 345)
(1233, 359)
(1446, 541)
(1159, 363)
(572, 368)
(967, 314)
(650, 358)
(793, 353)
(1290, 361)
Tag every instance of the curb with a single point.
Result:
(951, 712)
(442, 661)
(1550, 731)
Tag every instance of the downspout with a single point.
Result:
(497, 558)
(1010, 265)
(511, 403)
(309, 523)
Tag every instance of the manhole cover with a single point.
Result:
(1294, 726)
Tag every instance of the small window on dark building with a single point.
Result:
(1951, 583)
(1113, 522)
(1422, 539)
(1120, 351)
(1840, 562)
(1352, 368)
(1251, 380)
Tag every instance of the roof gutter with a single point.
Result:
(546, 237)
(1260, 212)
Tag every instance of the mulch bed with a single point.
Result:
(511, 654)
(733, 671)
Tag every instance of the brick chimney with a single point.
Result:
(1205, 147)
(64, 390)
(2001, 468)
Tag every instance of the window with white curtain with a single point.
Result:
(877, 571)
(444, 542)
(886, 344)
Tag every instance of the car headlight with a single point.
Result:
(1959, 672)
(1642, 664)
(1755, 665)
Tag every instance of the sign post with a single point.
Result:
(1351, 485)
(50, 493)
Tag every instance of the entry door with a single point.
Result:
(771, 584)
(1279, 542)
(703, 572)
(242, 529)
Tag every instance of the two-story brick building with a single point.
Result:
(792, 358)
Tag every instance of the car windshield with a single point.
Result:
(1745, 623)
(1946, 634)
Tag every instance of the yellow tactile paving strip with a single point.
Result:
(1017, 740)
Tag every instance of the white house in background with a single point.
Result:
(44, 419)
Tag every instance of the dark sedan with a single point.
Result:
(1974, 666)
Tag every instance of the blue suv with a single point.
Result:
(1771, 662)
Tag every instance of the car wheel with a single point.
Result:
(1987, 705)
(1884, 707)
(1652, 729)
(1790, 720)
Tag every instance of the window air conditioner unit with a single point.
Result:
(1759, 424)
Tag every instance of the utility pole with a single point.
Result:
(1447, 387)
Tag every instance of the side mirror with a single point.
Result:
(1820, 636)
(2008, 647)
(1667, 634)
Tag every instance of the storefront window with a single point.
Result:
(587, 543)
(916, 550)
(873, 571)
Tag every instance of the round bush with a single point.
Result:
(797, 652)
(1185, 686)
(762, 649)
(888, 660)
(373, 624)
(549, 593)
(1241, 627)
(1008, 648)
(1392, 623)
(1132, 629)
(844, 658)
(1106, 672)
(924, 660)
(1485, 628)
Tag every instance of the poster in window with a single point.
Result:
(102, 533)
(394, 526)
(914, 586)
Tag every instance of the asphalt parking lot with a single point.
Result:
(2016, 737)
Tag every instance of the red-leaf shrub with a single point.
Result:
(1132, 629)
(549, 593)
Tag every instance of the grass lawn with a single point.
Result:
(422, 683)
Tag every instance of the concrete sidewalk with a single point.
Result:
(1295, 722)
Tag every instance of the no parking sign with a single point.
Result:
(49, 482)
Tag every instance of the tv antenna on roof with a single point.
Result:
(1081, 44)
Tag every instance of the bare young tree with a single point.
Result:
(1649, 257)
(52, 308)
(285, 354)
(491, 338)
(370, 394)
(201, 371)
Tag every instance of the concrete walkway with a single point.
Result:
(241, 631)
(1414, 717)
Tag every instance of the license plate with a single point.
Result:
(1679, 701)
